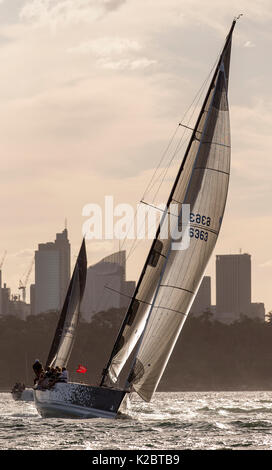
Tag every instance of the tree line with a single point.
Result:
(209, 355)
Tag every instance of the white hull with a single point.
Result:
(72, 400)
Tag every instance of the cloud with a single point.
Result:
(106, 46)
(66, 12)
(9, 11)
(128, 64)
(249, 44)
(111, 5)
(114, 53)
(4, 40)
(267, 264)
(26, 253)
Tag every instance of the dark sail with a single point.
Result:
(65, 333)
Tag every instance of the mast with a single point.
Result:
(170, 199)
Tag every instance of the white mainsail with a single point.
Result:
(171, 277)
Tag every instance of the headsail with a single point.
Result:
(170, 279)
(65, 333)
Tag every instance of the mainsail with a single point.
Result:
(65, 333)
(171, 277)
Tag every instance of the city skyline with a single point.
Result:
(230, 295)
(95, 107)
(210, 272)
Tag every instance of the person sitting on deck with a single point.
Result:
(54, 375)
(64, 375)
(47, 379)
(43, 382)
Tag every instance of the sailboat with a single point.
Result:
(170, 277)
(20, 392)
(72, 399)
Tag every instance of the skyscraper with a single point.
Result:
(106, 286)
(233, 286)
(202, 302)
(52, 273)
(63, 246)
(5, 299)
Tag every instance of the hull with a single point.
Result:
(72, 400)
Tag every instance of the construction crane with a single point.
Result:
(22, 285)
(3, 259)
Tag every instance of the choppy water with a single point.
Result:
(185, 420)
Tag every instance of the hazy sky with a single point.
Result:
(92, 90)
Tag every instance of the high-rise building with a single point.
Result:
(32, 299)
(52, 273)
(233, 286)
(258, 311)
(5, 294)
(106, 286)
(202, 302)
(63, 246)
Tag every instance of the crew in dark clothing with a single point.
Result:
(64, 375)
(55, 374)
(38, 369)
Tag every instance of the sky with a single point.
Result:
(91, 92)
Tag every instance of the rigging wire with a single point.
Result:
(162, 176)
(180, 143)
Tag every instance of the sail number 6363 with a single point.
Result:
(196, 232)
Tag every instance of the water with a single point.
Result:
(184, 420)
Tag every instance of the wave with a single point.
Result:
(236, 409)
(252, 424)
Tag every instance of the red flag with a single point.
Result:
(81, 369)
